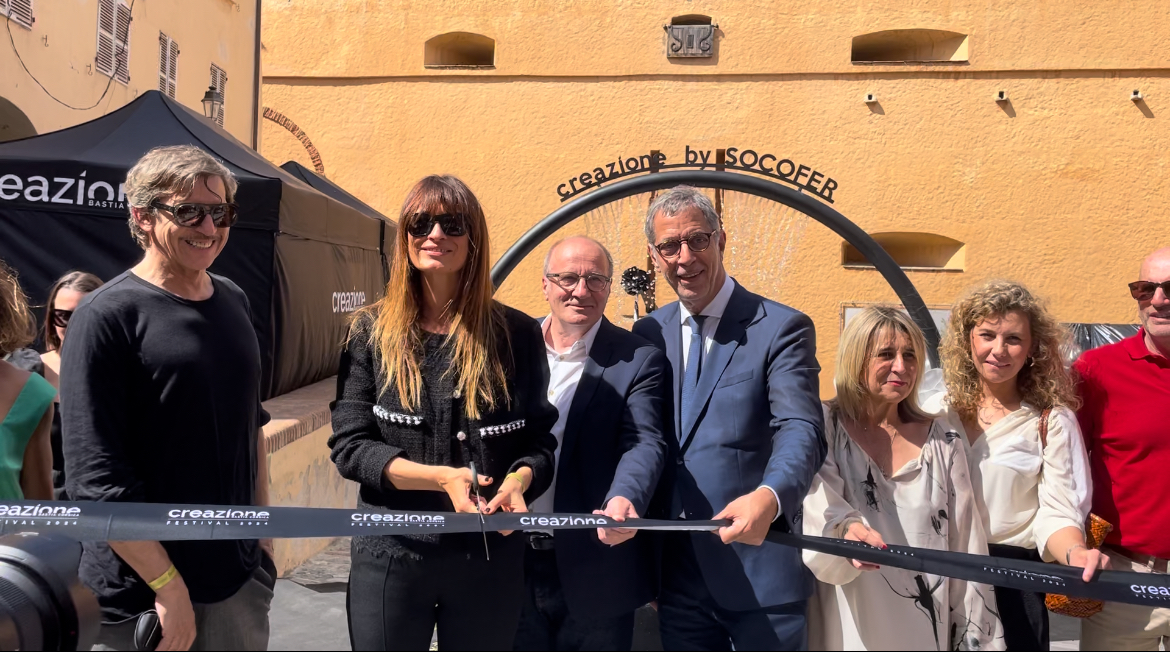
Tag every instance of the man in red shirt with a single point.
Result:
(1126, 392)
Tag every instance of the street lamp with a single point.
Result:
(212, 101)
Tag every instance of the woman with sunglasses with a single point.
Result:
(64, 297)
(26, 405)
(441, 407)
(1004, 372)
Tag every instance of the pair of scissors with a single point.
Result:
(482, 524)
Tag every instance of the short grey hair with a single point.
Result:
(677, 200)
(548, 256)
(171, 171)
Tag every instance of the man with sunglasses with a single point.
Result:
(160, 387)
(750, 438)
(610, 390)
(1125, 392)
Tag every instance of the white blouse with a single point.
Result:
(1025, 495)
(928, 503)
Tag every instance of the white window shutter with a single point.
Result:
(219, 81)
(105, 38)
(164, 53)
(122, 44)
(168, 65)
(173, 69)
(21, 12)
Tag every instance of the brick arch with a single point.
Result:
(283, 120)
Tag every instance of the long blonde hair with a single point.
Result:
(1043, 384)
(861, 337)
(478, 328)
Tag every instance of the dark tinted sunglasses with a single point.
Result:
(1144, 290)
(696, 241)
(421, 224)
(61, 317)
(190, 215)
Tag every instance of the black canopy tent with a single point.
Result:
(304, 259)
(335, 191)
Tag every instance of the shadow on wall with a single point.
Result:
(14, 124)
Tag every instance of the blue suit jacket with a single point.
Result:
(613, 445)
(756, 419)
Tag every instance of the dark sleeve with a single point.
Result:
(262, 415)
(798, 428)
(358, 449)
(532, 378)
(642, 441)
(95, 378)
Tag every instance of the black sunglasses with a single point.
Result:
(61, 317)
(190, 215)
(1144, 290)
(696, 241)
(421, 224)
(569, 281)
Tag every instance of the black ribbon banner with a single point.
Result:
(155, 522)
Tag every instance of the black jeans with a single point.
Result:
(396, 603)
(690, 618)
(1024, 616)
(546, 623)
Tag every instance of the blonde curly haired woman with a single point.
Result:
(1004, 368)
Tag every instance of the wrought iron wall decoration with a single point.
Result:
(690, 40)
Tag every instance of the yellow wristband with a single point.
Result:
(519, 478)
(164, 579)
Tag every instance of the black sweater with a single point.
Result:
(370, 428)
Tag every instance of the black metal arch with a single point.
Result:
(820, 212)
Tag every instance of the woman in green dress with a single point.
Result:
(26, 405)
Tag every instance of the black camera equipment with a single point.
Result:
(43, 604)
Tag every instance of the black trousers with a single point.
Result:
(547, 624)
(1024, 616)
(396, 603)
(690, 619)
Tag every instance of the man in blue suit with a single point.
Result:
(608, 385)
(750, 437)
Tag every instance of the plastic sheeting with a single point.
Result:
(1091, 336)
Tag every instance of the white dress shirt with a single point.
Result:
(714, 314)
(565, 369)
(1027, 494)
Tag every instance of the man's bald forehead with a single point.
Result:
(1160, 258)
(578, 239)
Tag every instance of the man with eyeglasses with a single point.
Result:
(160, 399)
(609, 388)
(750, 437)
(1125, 393)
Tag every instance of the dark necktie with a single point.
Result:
(693, 367)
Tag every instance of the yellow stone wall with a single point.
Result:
(300, 473)
(1063, 186)
(60, 49)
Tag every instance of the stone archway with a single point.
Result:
(283, 120)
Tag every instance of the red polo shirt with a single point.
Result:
(1126, 423)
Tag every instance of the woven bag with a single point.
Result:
(1096, 529)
